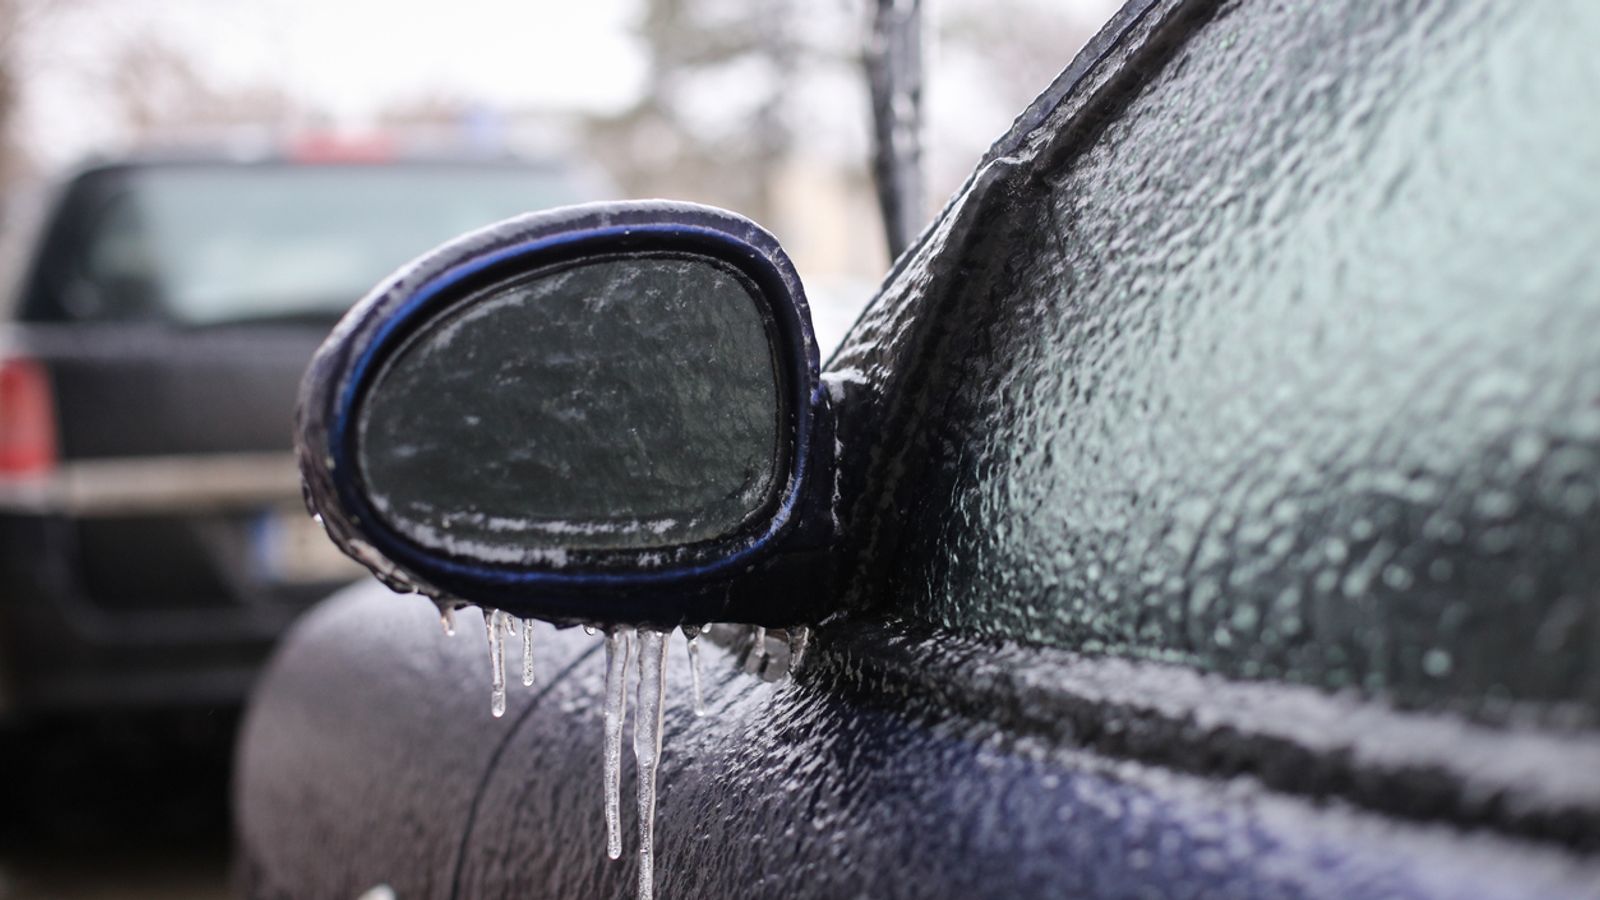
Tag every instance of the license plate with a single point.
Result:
(290, 548)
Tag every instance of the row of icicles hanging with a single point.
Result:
(620, 644)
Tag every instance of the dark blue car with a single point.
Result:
(1208, 505)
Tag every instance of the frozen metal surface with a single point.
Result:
(834, 785)
(1271, 352)
(1537, 783)
(357, 762)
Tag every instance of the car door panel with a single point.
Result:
(829, 785)
(335, 792)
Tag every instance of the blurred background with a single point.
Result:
(191, 192)
(756, 106)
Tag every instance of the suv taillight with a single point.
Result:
(27, 419)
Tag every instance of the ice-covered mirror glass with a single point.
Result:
(622, 403)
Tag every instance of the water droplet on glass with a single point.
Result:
(647, 747)
(618, 645)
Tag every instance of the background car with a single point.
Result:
(153, 540)
(1215, 517)
(153, 543)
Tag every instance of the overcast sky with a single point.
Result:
(346, 57)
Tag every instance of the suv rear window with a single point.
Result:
(213, 244)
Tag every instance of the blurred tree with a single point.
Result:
(10, 152)
(711, 121)
(18, 20)
(160, 96)
(1023, 44)
(153, 89)
(722, 107)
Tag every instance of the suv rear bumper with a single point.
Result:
(64, 648)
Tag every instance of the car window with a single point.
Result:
(210, 244)
(1287, 368)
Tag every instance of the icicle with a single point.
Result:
(527, 653)
(691, 639)
(497, 661)
(618, 645)
(799, 638)
(647, 747)
(758, 648)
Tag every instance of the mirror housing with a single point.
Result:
(608, 413)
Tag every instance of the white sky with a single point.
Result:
(347, 57)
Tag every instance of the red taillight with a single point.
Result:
(27, 419)
(322, 147)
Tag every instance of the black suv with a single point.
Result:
(152, 539)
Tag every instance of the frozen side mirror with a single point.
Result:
(598, 414)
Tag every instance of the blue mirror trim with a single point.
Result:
(354, 353)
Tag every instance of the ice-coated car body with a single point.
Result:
(1218, 509)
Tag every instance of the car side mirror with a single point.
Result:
(597, 414)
